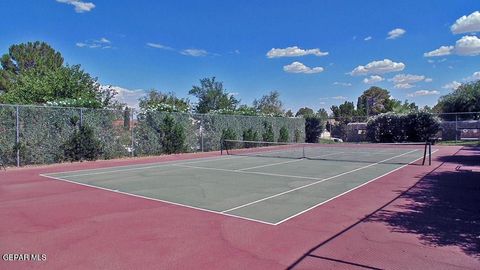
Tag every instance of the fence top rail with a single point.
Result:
(137, 111)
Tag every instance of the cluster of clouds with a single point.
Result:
(454, 85)
(188, 52)
(127, 96)
(468, 45)
(102, 43)
(296, 66)
(80, 6)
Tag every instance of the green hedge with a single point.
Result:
(412, 127)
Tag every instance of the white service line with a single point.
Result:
(157, 200)
(314, 183)
(285, 162)
(162, 164)
(352, 189)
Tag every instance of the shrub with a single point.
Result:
(82, 145)
(173, 136)
(249, 135)
(422, 126)
(313, 129)
(268, 135)
(297, 135)
(228, 134)
(413, 127)
(339, 130)
(283, 136)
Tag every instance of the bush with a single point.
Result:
(413, 127)
(339, 130)
(173, 136)
(283, 136)
(422, 126)
(229, 134)
(313, 129)
(297, 135)
(268, 135)
(82, 145)
(249, 135)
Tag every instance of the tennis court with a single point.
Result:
(267, 183)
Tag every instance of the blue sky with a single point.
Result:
(315, 53)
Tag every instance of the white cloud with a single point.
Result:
(297, 67)
(373, 79)
(405, 81)
(475, 76)
(396, 33)
(103, 43)
(342, 84)
(368, 38)
(378, 67)
(423, 93)
(79, 5)
(194, 52)
(127, 96)
(403, 85)
(452, 86)
(466, 24)
(443, 50)
(468, 45)
(339, 97)
(158, 46)
(428, 80)
(294, 51)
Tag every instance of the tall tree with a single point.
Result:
(322, 113)
(211, 96)
(405, 107)
(344, 112)
(375, 100)
(466, 98)
(156, 100)
(269, 104)
(33, 73)
(304, 112)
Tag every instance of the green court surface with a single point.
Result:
(263, 189)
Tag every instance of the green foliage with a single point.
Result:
(289, 113)
(211, 96)
(405, 107)
(466, 98)
(375, 100)
(82, 145)
(322, 113)
(345, 112)
(229, 134)
(304, 112)
(297, 135)
(249, 135)
(34, 73)
(268, 135)
(313, 128)
(413, 127)
(173, 136)
(269, 104)
(283, 137)
(241, 110)
(339, 130)
(164, 102)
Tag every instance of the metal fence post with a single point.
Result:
(456, 128)
(132, 125)
(81, 116)
(17, 134)
(201, 135)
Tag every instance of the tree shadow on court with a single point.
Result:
(443, 209)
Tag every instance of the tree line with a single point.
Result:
(35, 73)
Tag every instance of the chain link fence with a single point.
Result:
(36, 134)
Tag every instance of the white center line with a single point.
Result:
(285, 162)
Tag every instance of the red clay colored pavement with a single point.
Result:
(79, 227)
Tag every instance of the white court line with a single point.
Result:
(161, 164)
(217, 212)
(285, 162)
(352, 189)
(314, 183)
(158, 200)
(247, 172)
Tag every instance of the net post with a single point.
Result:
(425, 153)
(17, 134)
(429, 153)
(221, 146)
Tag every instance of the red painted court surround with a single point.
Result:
(84, 228)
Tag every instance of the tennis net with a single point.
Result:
(397, 153)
